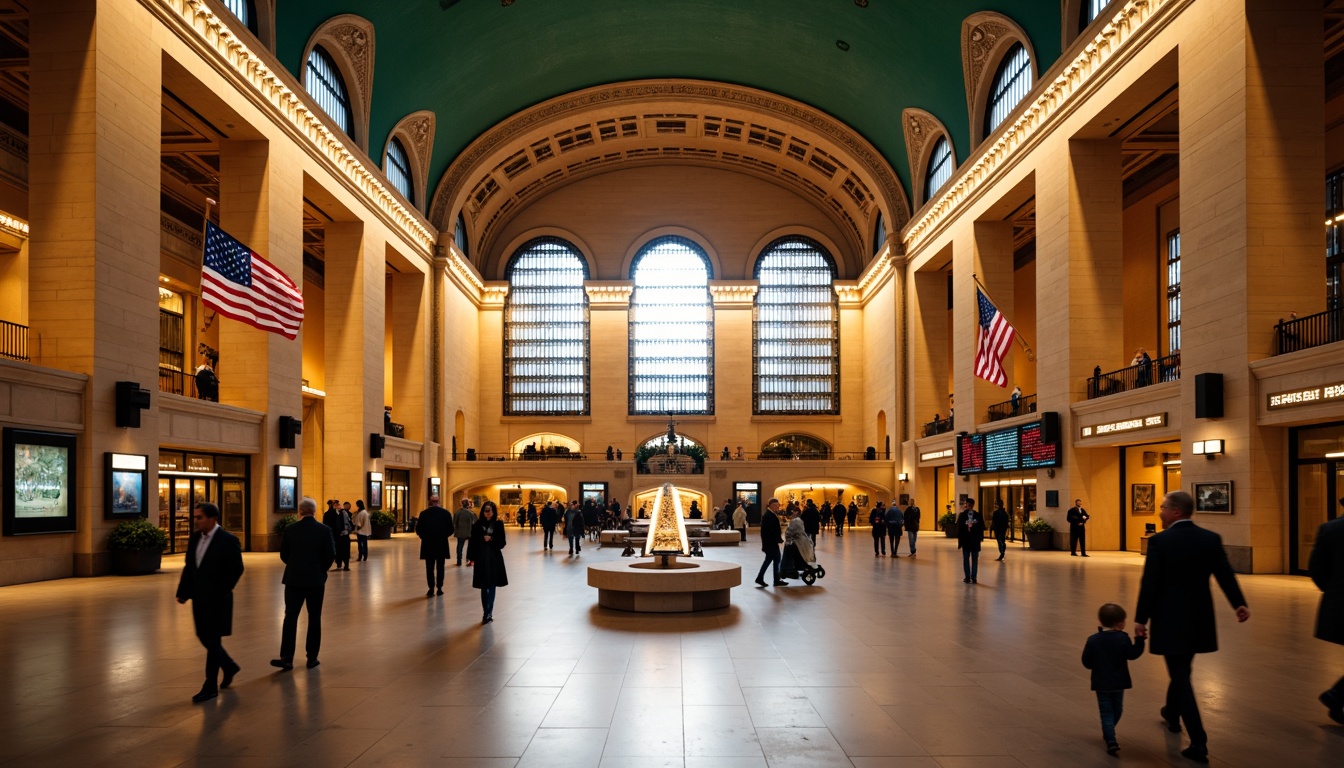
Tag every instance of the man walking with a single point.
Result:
(998, 525)
(811, 521)
(338, 519)
(307, 550)
(574, 528)
(1077, 518)
(363, 530)
(1326, 567)
(1174, 594)
(462, 521)
(878, 520)
(970, 537)
(549, 519)
(434, 525)
(895, 524)
(771, 538)
(912, 524)
(214, 563)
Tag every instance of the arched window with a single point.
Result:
(327, 87)
(940, 168)
(1011, 83)
(399, 170)
(1090, 10)
(546, 369)
(245, 10)
(671, 329)
(789, 446)
(460, 235)
(879, 234)
(797, 365)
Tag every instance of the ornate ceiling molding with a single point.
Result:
(733, 294)
(609, 294)
(922, 130)
(670, 122)
(416, 132)
(985, 38)
(350, 41)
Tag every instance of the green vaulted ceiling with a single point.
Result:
(477, 62)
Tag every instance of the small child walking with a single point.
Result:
(1107, 654)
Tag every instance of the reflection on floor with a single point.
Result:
(885, 662)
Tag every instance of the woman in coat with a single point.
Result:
(485, 556)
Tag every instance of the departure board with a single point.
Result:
(1005, 450)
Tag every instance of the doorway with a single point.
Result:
(1017, 496)
(1316, 455)
(397, 496)
(177, 497)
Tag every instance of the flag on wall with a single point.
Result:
(996, 336)
(239, 284)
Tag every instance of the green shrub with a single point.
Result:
(948, 519)
(1037, 525)
(382, 520)
(138, 535)
(285, 522)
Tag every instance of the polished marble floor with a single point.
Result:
(884, 663)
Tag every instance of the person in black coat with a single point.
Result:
(771, 538)
(853, 514)
(214, 563)
(484, 553)
(549, 519)
(434, 525)
(912, 524)
(1077, 517)
(1326, 567)
(307, 550)
(1107, 654)
(878, 520)
(970, 537)
(811, 521)
(341, 523)
(998, 525)
(826, 515)
(1174, 595)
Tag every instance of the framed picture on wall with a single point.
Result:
(1213, 498)
(1142, 498)
(375, 490)
(510, 497)
(124, 478)
(39, 474)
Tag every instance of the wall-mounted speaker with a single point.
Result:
(131, 400)
(1050, 427)
(1208, 396)
(289, 427)
(376, 444)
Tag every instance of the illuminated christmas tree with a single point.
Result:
(667, 532)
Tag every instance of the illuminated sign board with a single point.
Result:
(1125, 425)
(946, 453)
(1307, 396)
(1006, 450)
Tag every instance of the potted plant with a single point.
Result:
(1040, 534)
(283, 523)
(382, 524)
(136, 547)
(948, 522)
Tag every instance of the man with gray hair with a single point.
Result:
(307, 549)
(1175, 595)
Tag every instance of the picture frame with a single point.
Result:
(596, 492)
(1142, 498)
(40, 471)
(286, 488)
(510, 497)
(1213, 498)
(375, 494)
(125, 477)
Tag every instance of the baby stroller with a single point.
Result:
(796, 565)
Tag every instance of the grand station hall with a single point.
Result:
(1028, 295)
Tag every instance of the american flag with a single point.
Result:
(996, 336)
(239, 284)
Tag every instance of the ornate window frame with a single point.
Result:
(585, 409)
(349, 41)
(986, 38)
(922, 131)
(416, 134)
(644, 244)
(264, 21)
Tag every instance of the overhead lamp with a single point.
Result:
(1207, 448)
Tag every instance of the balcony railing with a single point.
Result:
(1311, 331)
(13, 341)
(1008, 409)
(175, 382)
(938, 427)
(1135, 376)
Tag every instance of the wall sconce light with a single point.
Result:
(903, 477)
(1207, 448)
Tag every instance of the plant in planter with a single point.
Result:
(1040, 533)
(285, 522)
(136, 547)
(382, 524)
(948, 522)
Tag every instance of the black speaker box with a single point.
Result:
(289, 427)
(1208, 396)
(131, 400)
(1050, 427)
(376, 443)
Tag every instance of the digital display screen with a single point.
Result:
(1001, 450)
(1034, 452)
(970, 454)
(1005, 450)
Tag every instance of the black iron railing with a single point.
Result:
(1008, 409)
(1311, 331)
(938, 427)
(1135, 376)
(175, 382)
(13, 341)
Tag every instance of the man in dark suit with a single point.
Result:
(213, 566)
(1077, 517)
(307, 550)
(771, 538)
(1326, 567)
(970, 537)
(434, 526)
(911, 516)
(1174, 594)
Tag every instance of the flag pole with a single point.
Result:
(1031, 353)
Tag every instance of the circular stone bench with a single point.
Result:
(642, 586)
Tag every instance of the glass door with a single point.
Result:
(232, 509)
(395, 500)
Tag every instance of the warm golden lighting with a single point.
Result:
(667, 533)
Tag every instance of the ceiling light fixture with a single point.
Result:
(842, 45)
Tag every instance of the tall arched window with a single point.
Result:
(245, 10)
(671, 329)
(546, 370)
(325, 84)
(460, 235)
(879, 234)
(797, 365)
(940, 168)
(399, 170)
(1090, 10)
(1011, 83)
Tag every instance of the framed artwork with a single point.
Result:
(39, 473)
(375, 490)
(540, 497)
(596, 492)
(861, 499)
(435, 487)
(1142, 498)
(510, 497)
(1213, 498)
(286, 488)
(124, 477)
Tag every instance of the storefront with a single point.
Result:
(187, 479)
(1147, 473)
(937, 470)
(1316, 482)
(397, 496)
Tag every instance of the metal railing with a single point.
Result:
(1007, 409)
(13, 341)
(1135, 376)
(175, 382)
(938, 427)
(1315, 330)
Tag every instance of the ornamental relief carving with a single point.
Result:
(984, 36)
(357, 42)
(417, 130)
(921, 128)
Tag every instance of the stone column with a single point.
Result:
(410, 316)
(734, 302)
(94, 211)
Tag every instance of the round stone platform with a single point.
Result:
(642, 586)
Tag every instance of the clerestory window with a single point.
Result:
(546, 341)
(1011, 84)
(797, 330)
(671, 329)
(325, 84)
